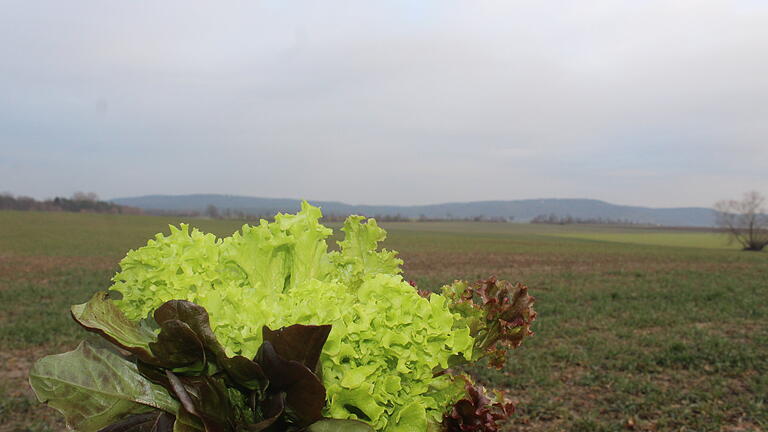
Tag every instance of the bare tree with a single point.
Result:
(746, 221)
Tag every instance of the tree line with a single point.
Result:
(213, 212)
(568, 219)
(79, 202)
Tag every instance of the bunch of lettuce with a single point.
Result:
(385, 358)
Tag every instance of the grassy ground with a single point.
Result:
(638, 329)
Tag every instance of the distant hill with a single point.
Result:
(518, 210)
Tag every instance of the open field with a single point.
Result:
(638, 329)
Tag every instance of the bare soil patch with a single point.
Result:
(439, 264)
(40, 268)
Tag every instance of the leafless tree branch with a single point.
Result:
(745, 220)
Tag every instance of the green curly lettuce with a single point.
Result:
(386, 341)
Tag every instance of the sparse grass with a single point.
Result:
(631, 334)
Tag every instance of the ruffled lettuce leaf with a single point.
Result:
(358, 256)
(177, 266)
(336, 425)
(379, 358)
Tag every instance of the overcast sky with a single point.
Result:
(659, 103)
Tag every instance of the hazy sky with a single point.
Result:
(660, 103)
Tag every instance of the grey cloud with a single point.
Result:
(390, 102)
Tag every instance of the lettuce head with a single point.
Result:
(378, 364)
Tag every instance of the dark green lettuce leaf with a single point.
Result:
(186, 422)
(195, 317)
(178, 348)
(207, 399)
(304, 393)
(245, 373)
(272, 409)
(301, 343)
(100, 315)
(156, 421)
(95, 388)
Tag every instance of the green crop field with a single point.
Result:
(638, 329)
